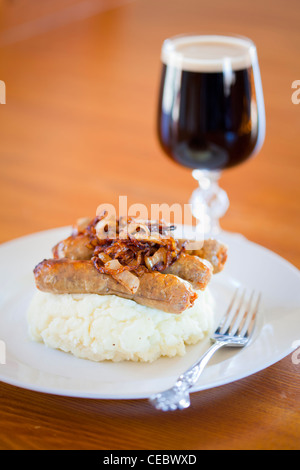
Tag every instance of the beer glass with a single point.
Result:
(211, 114)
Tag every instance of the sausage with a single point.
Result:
(73, 247)
(193, 269)
(213, 251)
(76, 247)
(165, 292)
(190, 268)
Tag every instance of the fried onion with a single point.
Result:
(153, 249)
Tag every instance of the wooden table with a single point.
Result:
(78, 129)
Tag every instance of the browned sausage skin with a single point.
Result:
(192, 269)
(73, 247)
(165, 292)
(213, 251)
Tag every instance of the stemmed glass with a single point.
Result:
(211, 113)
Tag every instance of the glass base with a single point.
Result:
(209, 202)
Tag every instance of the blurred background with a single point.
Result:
(78, 126)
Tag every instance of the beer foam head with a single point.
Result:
(208, 53)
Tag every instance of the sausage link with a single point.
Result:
(165, 292)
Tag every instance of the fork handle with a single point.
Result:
(186, 380)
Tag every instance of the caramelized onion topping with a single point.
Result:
(148, 246)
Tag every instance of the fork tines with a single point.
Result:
(240, 316)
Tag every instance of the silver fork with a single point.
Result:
(235, 330)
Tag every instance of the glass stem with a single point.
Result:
(209, 202)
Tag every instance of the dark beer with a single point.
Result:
(208, 115)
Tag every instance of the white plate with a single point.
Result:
(33, 366)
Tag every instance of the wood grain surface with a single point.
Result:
(78, 129)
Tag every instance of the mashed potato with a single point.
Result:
(107, 327)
